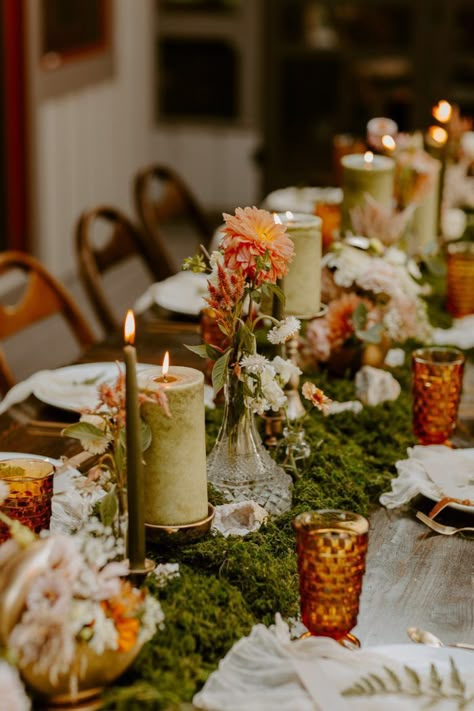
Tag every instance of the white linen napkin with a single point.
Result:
(435, 471)
(50, 382)
(23, 390)
(461, 334)
(183, 292)
(266, 670)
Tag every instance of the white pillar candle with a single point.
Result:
(363, 174)
(175, 462)
(302, 284)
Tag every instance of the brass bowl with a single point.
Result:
(183, 534)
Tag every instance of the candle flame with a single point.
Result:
(129, 327)
(388, 142)
(276, 219)
(166, 365)
(368, 157)
(289, 215)
(442, 111)
(438, 134)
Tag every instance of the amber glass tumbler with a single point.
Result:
(436, 386)
(30, 484)
(331, 547)
(460, 278)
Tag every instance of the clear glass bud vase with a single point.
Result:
(239, 465)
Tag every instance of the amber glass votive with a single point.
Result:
(331, 547)
(30, 484)
(330, 214)
(436, 387)
(460, 278)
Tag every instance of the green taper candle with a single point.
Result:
(302, 284)
(365, 174)
(175, 462)
(135, 493)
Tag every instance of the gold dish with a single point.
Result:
(181, 534)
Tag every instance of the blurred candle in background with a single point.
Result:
(302, 284)
(366, 174)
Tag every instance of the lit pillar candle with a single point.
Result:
(302, 284)
(136, 521)
(366, 174)
(175, 462)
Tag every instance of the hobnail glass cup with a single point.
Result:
(331, 548)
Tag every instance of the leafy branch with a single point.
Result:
(434, 688)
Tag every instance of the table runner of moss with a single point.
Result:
(228, 585)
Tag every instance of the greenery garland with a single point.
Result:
(226, 585)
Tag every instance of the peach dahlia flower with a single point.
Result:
(251, 234)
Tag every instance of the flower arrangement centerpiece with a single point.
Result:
(69, 618)
(101, 431)
(253, 256)
(374, 296)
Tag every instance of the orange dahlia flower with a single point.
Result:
(255, 245)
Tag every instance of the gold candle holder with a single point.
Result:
(30, 483)
(436, 387)
(331, 547)
(460, 278)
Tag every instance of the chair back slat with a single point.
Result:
(121, 241)
(42, 296)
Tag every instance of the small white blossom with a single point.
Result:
(254, 363)
(285, 369)
(12, 692)
(151, 620)
(101, 444)
(288, 328)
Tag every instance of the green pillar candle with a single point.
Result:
(365, 174)
(136, 521)
(302, 284)
(425, 220)
(175, 462)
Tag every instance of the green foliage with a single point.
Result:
(433, 689)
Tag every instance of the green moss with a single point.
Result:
(229, 584)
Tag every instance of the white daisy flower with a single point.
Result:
(286, 329)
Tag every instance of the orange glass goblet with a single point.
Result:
(331, 547)
(437, 375)
(460, 278)
(30, 484)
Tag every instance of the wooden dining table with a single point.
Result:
(414, 577)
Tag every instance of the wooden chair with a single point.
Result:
(173, 199)
(43, 296)
(122, 241)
